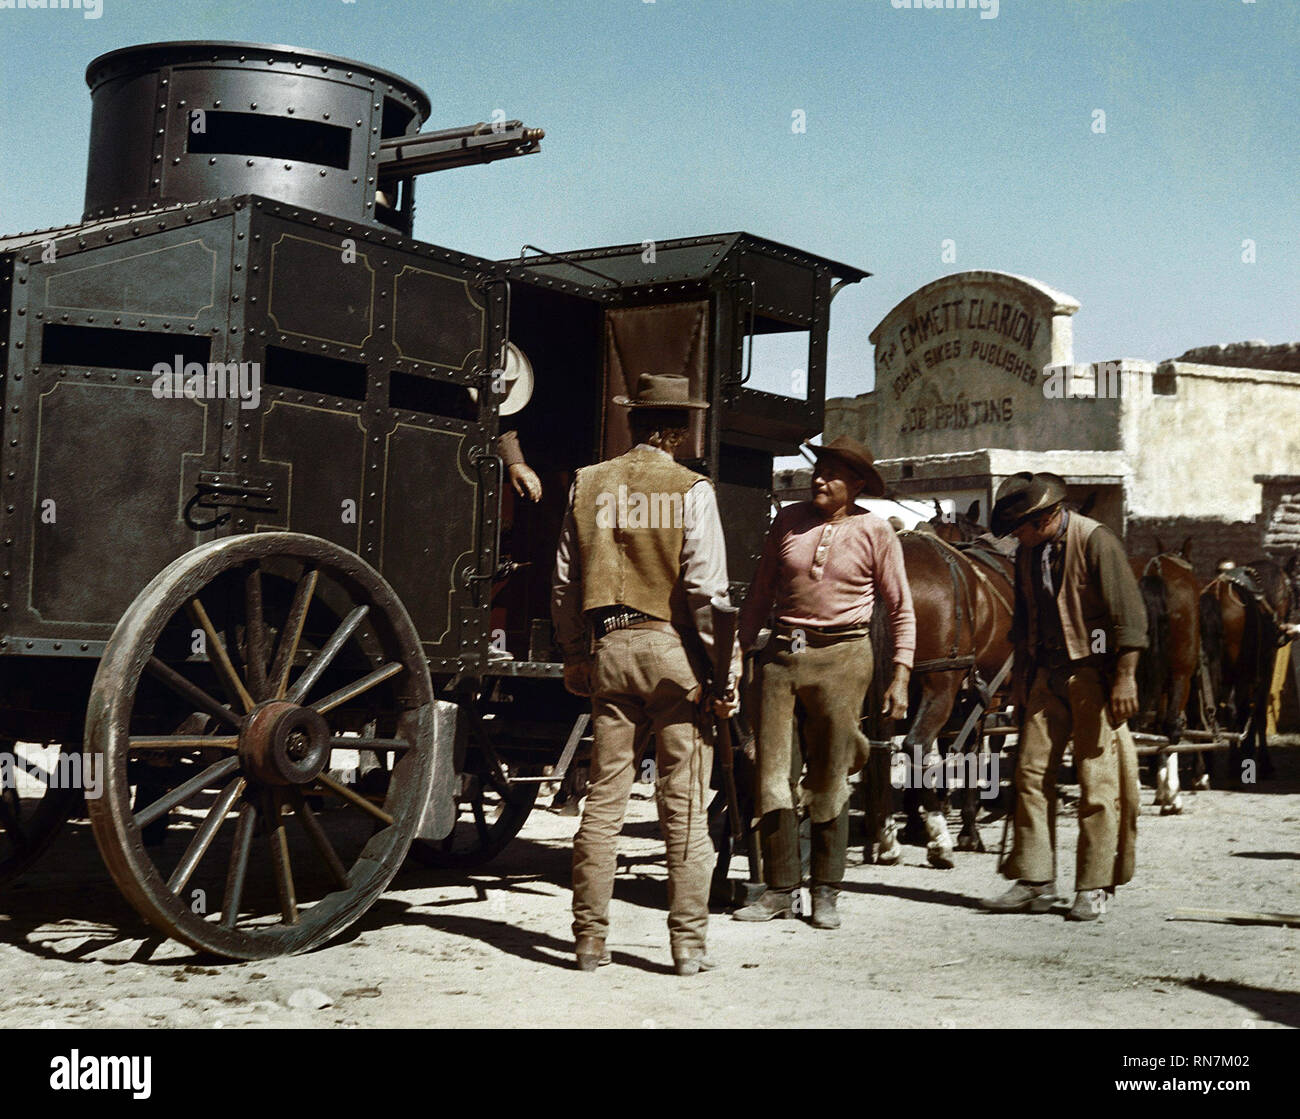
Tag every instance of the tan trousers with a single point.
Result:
(1062, 706)
(642, 686)
(827, 683)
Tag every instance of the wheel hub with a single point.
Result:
(283, 743)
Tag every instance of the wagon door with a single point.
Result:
(371, 431)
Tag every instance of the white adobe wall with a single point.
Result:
(1195, 453)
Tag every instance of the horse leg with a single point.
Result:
(1168, 792)
(881, 831)
(935, 706)
(969, 839)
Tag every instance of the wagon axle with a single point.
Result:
(282, 743)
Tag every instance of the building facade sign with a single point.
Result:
(961, 364)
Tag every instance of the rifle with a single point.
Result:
(724, 637)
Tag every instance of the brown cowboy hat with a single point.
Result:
(857, 458)
(661, 390)
(1023, 496)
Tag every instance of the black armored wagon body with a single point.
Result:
(264, 583)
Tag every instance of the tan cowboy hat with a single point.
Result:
(515, 375)
(661, 390)
(857, 458)
(1023, 496)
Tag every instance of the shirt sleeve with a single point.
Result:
(895, 593)
(762, 591)
(566, 590)
(512, 454)
(704, 558)
(1128, 613)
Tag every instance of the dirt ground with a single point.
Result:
(493, 948)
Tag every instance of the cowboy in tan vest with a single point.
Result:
(640, 558)
(1079, 628)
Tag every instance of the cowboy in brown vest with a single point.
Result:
(640, 558)
(1079, 628)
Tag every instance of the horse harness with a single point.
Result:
(964, 604)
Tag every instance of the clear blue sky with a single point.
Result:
(673, 118)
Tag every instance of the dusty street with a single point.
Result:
(493, 948)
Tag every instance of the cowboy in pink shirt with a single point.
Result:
(825, 563)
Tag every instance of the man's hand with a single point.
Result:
(1124, 692)
(577, 677)
(727, 707)
(525, 481)
(896, 697)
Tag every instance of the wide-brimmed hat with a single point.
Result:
(513, 379)
(661, 390)
(1023, 496)
(857, 458)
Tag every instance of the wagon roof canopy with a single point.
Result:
(682, 260)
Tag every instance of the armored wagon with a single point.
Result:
(263, 580)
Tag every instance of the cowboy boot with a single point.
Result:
(778, 832)
(591, 953)
(824, 914)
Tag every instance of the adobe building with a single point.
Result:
(975, 380)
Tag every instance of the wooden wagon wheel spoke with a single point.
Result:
(279, 843)
(341, 743)
(256, 643)
(345, 695)
(184, 741)
(484, 828)
(204, 836)
(237, 872)
(185, 790)
(192, 693)
(319, 839)
(287, 648)
(219, 658)
(480, 820)
(356, 799)
(325, 657)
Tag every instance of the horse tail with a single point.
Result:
(1153, 666)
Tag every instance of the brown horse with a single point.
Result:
(963, 601)
(1248, 607)
(1171, 660)
(957, 528)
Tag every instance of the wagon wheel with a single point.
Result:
(34, 802)
(304, 857)
(489, 813)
